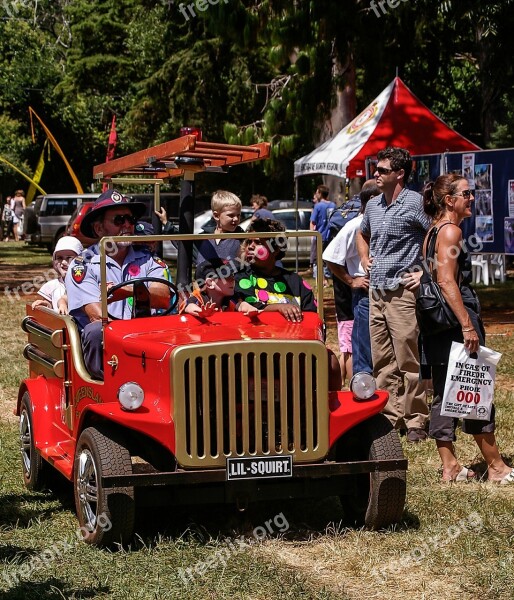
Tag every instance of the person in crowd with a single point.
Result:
(53, 292)
(7, 220)
(448, 201)
(389, 242)
(168, 227)
(18, 206)
(319, 222)
(259, 204)
(143, 228)
(314, 247)
(342, 258)
(215, 291)
(226, 211)
(112, 215)
(271, 288)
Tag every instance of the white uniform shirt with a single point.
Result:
(53, 291)
(342, 250)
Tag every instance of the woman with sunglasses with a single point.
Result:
(449, 201)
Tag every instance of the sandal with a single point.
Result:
(465, 475)
(508, 479)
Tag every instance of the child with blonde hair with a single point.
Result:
(226, 211)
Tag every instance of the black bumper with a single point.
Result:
(209, 476)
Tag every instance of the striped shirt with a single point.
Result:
(396, 235)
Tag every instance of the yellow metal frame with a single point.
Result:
(191, 426)
(201, 237)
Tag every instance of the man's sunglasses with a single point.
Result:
(466, 194)
(121, 219)
(383, 170)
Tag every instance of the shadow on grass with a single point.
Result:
(9, 552)
(293, 520)
(51, 589)
(19, 510)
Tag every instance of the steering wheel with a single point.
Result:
(141, 296)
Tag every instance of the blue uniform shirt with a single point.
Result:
(83, 279)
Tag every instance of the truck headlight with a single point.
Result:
(131, 395)
(363, 385)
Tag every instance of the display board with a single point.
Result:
(491, 175)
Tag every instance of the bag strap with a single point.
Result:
(432, 239)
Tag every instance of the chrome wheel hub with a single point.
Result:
(25, 441)
(87, 490)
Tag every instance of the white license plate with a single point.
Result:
(259, 467)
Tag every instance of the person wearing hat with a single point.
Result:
(215, 291)
(53, 292)
(112, 215)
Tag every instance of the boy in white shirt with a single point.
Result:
(53, 292)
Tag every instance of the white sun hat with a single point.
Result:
(68, 242)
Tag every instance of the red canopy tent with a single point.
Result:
(395, 118)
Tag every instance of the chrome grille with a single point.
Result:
(250, 399)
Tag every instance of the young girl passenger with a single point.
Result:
(53, 292)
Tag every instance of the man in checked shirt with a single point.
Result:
(390, 244)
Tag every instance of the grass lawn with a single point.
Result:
(455, 541)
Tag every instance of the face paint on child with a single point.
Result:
(261, 252)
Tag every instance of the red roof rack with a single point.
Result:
(173, 158)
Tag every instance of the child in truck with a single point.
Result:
(226, 211)
(266, 285)
(53, 292)
(269, 287)
(215, 290)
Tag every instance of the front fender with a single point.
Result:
(141, 421)
(346, 411)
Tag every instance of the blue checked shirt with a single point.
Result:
(396, 235)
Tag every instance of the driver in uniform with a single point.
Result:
(111, 215)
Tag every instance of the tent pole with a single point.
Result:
(296, 198)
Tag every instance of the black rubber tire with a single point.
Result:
(35, 470)
(97, 454)
(379, 498)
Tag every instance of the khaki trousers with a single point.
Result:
(394, 349)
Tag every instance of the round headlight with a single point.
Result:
(131, 395)
(363, 385)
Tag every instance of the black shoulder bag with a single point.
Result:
(432, 312)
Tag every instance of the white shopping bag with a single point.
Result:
(469, 387)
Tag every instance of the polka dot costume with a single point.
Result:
(285, 287)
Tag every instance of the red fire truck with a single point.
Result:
(224, 409)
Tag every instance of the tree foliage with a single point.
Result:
(288, 72)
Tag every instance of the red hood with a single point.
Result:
(159, 335)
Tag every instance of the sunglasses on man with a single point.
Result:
(119, 220)
(383, 170)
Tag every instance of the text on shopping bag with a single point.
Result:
(469, 387)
